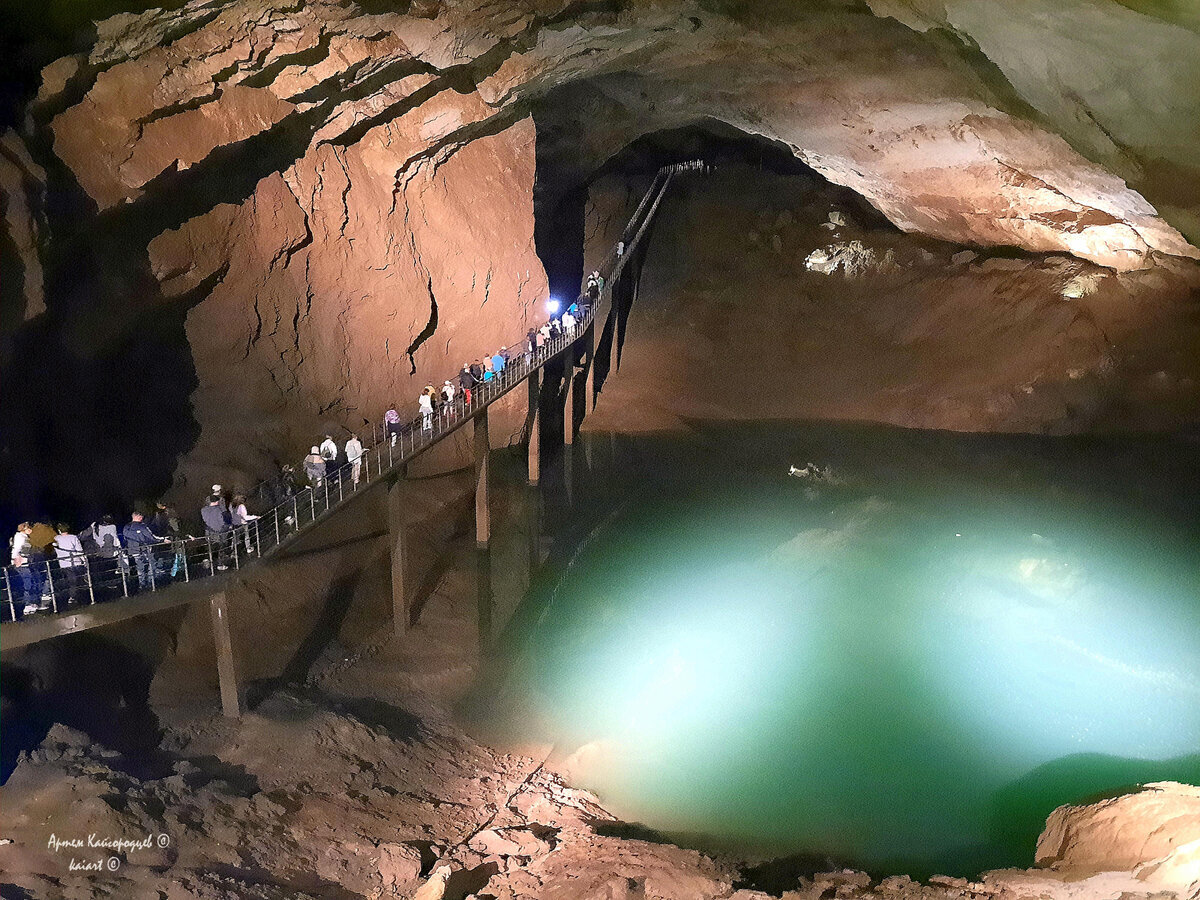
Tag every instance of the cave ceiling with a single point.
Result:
(1049, 126)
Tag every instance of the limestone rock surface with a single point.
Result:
(1153, 833)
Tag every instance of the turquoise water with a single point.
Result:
(905, 670)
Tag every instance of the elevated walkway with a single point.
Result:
(204, 568)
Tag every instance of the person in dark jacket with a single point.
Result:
(218, 529)
(466, 383)
(139, 541)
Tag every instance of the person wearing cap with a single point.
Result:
(448, 395)
(314, 467)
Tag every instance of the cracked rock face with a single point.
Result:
(342, 196)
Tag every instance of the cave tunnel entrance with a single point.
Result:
(566, 213)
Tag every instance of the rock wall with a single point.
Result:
(767, 296)
(341, 195)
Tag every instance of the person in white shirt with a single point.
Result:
(568, 323)
(20, 559)
(328, 449)
(354, 452)
(69, 550)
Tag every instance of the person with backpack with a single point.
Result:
(391, 424)
(425, 403)
(314, 468)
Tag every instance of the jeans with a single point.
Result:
(144, 560)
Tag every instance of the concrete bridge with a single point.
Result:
(210, 566)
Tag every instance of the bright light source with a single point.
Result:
(552, 306)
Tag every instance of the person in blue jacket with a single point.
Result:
(139, 541)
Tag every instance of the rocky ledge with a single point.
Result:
(319, 797)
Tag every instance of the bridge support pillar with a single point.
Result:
(231, 704)
(569, 406)
(589, 384)
(401, 615)
(534, 419)
(483, 522)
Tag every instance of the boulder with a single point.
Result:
(1153, 833)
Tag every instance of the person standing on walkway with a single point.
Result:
(139, 541)
(568, 323)
(391, 423)
(216, 527)
(21, 554)
(531, 344)
(328, 451)
(241, 518)
(107, 527)
(40, 551)
(71, 562)
(425, 402)
(314, 468)
(499, 362)
(354, 452)
(466, 382)
(477, 371)
(448, 396)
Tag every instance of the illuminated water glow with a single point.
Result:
(907, 673)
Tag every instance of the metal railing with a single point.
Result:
(55, 580)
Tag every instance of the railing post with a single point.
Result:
(153, 583)
(296, 511)
(12, 601)
(278, 540)
(87, 571)
(312, 506)
(53, 593)
(121, 564)
(257, 539)
(235, 540)
(187, 576)
(212, 566)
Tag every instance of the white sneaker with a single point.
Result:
(222, 568)
(30, 608)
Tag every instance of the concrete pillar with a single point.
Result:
(569, 405)
(231, 704)
(485, 602)
(589, 384)
(401, 614)
(483, 522)
(534, 420)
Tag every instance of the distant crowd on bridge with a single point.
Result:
(54, 567)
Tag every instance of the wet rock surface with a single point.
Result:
(302, 799)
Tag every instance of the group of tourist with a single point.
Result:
(55, 567)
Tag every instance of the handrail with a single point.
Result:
(112, 572)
